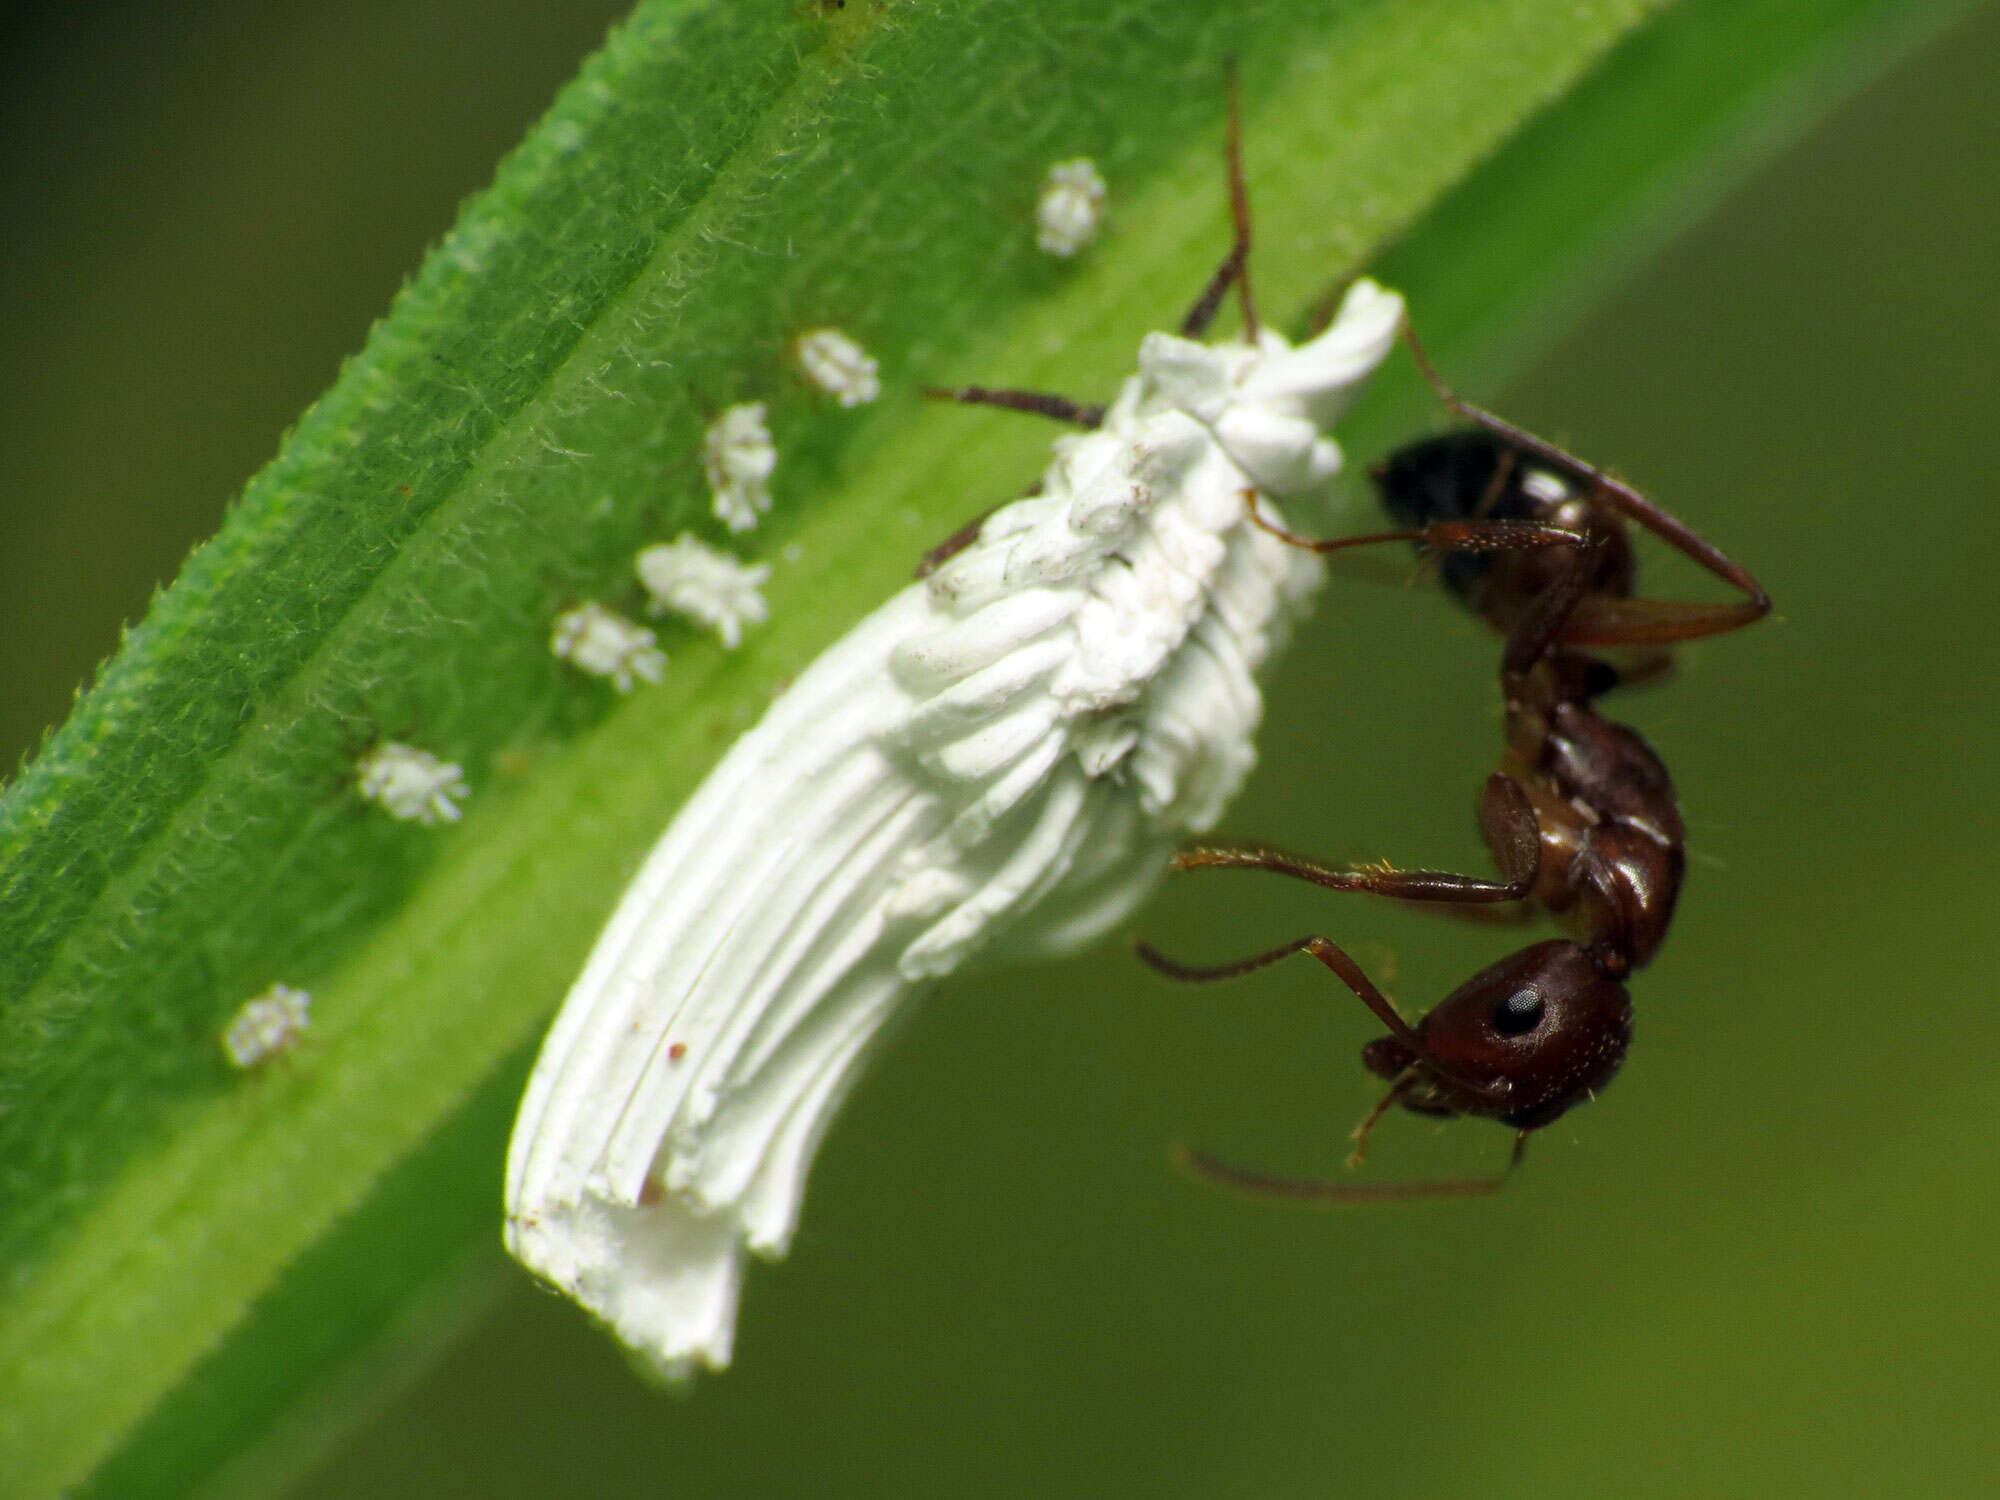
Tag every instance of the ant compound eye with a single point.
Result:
(1520, 1012)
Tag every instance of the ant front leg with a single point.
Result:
(1601, 620)
(1349, 973)
(1325, 950)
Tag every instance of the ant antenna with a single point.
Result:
(1271, 1188)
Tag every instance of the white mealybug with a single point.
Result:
(604, 643)
(739, 457)
(271, 1023)
(999, 760)
(839, 366)
(411, 784)
(1070, 208)
(709, 586)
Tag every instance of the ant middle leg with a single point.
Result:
(1376, 880)
(1506, 816)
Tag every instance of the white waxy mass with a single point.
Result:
(739, 457)
(412, 784)
(603, 643)
(1071, 207)
(997, 761)
(839, 366)
(267, 1025)
(688, 577)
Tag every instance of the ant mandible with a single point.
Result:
(1581, 818)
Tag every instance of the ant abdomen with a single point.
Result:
(1475, 475)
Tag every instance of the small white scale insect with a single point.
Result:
(839, 366)
(1071, 207)
(997, 761)
(266, 1025)
(689, 577)
(603, 643)
(412, 784)
(739, 457)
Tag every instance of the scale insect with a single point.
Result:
(738, 457)
(690, 578)
(600, 642)
(266, 1026)
(838, 366)
(1070, 210)
(999, 761)
(412, 785)
(1582, 817)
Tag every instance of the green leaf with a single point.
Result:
(722, 176)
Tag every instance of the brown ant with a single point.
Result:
(1581, 817)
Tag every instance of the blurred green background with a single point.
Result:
(1761, 1266)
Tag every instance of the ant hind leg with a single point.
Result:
(1235, 267)
(1085, 414)
(1620, 622)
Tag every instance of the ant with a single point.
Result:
(1581, 818)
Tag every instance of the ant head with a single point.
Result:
(1521, 1042)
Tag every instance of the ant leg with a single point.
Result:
(1513, 831)
(1085, 414)
(1441, 536)
(1640, 621)
(1513, 835)
(1235, 268)
(1324, 949)
(1377, 880)
(1349, 973)
(1546, 619)
(1503, 475)
(1605, 621)
(956, 543)
(1270, 1188)
(1088, 415)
